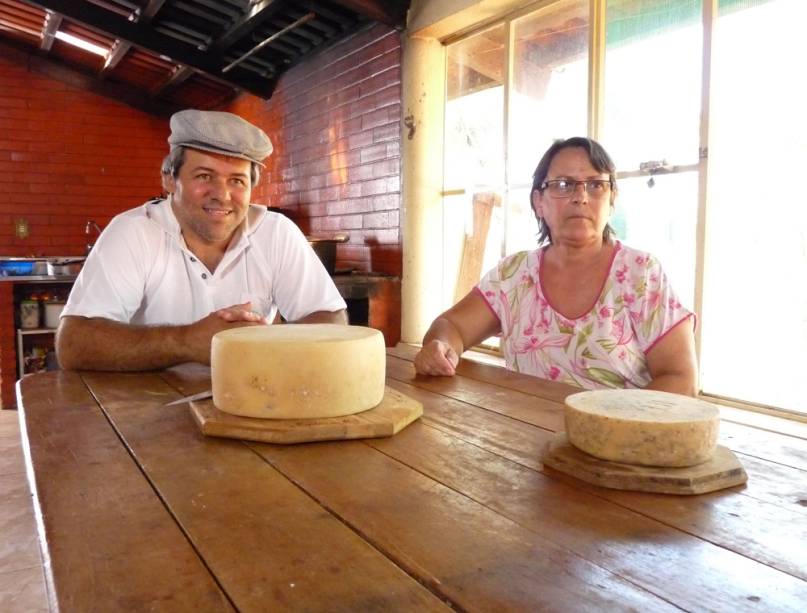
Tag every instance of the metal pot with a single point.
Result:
(325, 248)
(65, 266)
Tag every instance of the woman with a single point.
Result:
(584, 309)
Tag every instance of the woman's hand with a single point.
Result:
(467, 323)
(436, 358)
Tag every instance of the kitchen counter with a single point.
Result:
(140, 511)
(12, 287)
(39, 278)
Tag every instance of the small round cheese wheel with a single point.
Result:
(293, 371)
(642, 427)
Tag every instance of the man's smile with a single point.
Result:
(216, 212)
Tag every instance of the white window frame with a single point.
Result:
(597, 25)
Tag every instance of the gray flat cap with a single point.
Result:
(219, 132)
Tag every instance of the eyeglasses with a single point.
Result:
(563, 188)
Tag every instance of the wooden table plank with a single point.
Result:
(187, 379)
(455, 507)
(269, 544)
(692, 573)
(512, 403)
(766, 445)
(557, 392)
(762, 531)
(501, 377)
(109, 544)
(499, 434)
(536, 410)
(775, 483)
(767, 532)
(463, 550)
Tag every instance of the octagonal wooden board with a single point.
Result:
(391, 415)
(723, 470)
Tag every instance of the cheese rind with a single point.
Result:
(642, 427)
(297, 371)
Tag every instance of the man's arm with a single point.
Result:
(324, 317)
(84, 343)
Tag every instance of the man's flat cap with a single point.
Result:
(219, 132)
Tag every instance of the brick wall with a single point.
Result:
(66, 156)
(334, 121)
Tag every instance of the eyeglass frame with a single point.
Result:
(585, 183)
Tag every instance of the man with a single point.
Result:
(163, 278)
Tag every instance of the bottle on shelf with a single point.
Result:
(29, 314)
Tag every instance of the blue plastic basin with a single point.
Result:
(15, 268)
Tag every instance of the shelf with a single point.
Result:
(39, 278)
(26, 331)
(21, 334)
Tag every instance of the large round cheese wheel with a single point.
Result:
(297, 370)
(642, 427)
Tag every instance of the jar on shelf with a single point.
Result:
(53, 310)
(29, 314)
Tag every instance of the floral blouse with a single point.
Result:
(604, 348)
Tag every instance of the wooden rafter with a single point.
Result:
(140, 35)
(52, 23)
(391, 13)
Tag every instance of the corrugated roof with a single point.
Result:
(161, 55)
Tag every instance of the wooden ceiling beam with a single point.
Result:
(121, 47)
(177, 76)
(142, 36)
(256, 16)
(392, 14)
(52, 23)
(126, 94)
(113, 58)
(151, 8)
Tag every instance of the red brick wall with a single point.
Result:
(334, 121)
(66, 156)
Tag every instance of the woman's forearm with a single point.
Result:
(443, 330)
(678, 383)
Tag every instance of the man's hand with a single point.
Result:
(240, 312)
(436, 358)
(199, 335)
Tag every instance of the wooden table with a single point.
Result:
(141, 512)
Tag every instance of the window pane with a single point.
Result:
(473, 219)
(661, 219)
(755, 295)
(474, 122)
(548, 100)
(652, 81)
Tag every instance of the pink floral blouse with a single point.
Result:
(605, 347)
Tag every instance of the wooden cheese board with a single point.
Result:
(721, 471)
(391, 415)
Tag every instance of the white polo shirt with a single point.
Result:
(141, 271)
